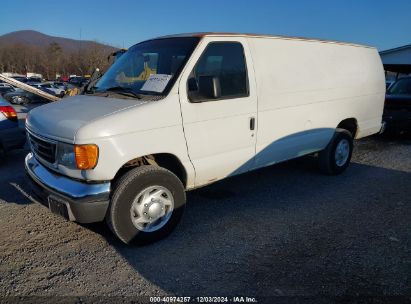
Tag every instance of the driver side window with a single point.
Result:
(220, 73)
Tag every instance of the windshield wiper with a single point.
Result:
(123, 91)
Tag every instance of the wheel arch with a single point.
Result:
(349, 124)
(165, 160)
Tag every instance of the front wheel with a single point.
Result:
(336, 157)
(146, 205)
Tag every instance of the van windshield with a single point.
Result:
(149, 68)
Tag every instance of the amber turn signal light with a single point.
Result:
(86, 156)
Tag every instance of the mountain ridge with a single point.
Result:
(41, 40)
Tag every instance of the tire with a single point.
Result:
(23, 100)
(333, 162)
(136, 190)
(14, 100)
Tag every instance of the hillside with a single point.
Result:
(37, 39)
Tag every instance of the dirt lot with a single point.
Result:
(281, 231)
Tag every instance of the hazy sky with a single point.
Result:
(384, 24)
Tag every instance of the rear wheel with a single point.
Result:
(146, 205)
(336, 157)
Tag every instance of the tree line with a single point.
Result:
(52, 60)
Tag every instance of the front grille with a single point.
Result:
(43, 148)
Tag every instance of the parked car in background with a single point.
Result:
(58, 91)
(33, 82)
(11, 136)
(43, 88)
(21, 79)
(63, 78)
(77, 81)
(5, 88)
(3, 84)
(34, 79)
(388, 83)
(60, 84)
(397, 109)
(22, 97)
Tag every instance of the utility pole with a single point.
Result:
(79, 52)
(80, 41)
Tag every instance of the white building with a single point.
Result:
(398, 60)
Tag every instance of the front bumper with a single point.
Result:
(75, 200)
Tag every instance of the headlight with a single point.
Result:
(83, 157)
(66, 156)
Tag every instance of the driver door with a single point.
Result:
(219, 126)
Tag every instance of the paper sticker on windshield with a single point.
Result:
(156, 83)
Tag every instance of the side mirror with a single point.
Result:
(192, 85)
(209, 87)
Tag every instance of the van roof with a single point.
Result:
(227, 34)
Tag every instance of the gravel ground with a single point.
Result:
(281, 231)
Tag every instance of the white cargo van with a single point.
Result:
(179, 112)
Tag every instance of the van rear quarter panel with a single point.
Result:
(306, 88)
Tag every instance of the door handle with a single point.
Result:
(252, 123)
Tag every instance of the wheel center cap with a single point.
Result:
(155, 210)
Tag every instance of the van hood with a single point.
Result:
(62, 119)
